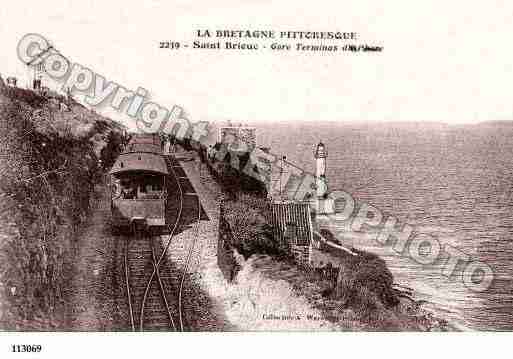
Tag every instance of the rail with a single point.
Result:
(163, 254)
(156, 262)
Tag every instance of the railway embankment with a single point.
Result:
(53, 151)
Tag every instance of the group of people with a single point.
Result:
(131, 188)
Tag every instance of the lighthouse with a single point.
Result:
(320, 170)
(321, 204)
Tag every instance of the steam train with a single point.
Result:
(138, 181)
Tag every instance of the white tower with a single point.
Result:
(320, 170)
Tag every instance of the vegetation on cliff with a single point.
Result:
(52, 150)
(248, 219)
(245, 205)
(365, 282)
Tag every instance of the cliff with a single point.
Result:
(53, 151)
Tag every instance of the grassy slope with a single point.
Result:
(49, 149)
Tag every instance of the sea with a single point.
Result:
(452, 182)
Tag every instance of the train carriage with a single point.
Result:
(139, 195)
(150, 142)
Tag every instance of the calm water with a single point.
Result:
(453, 182)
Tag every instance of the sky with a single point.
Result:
(442, 61)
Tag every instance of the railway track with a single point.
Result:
(155, 292)
(150, 296)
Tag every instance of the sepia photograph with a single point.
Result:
(321, 168)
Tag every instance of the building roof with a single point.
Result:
(140, 161)
(291, 221)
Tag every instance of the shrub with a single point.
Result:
(365, 282)
(248, 219)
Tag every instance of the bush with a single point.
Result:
(248, 219)
(228, 167)
(111, 151)
(365, 282)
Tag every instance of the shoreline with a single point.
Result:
(412, 294)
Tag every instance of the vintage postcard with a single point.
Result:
(313, 167)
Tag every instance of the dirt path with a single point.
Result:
(94, 286)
